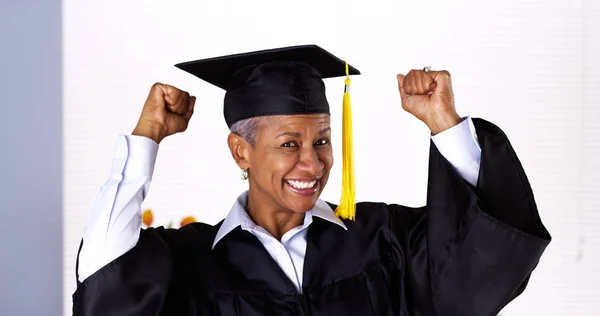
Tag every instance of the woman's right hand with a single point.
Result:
(167, 111)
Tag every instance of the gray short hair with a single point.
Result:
(250, 127)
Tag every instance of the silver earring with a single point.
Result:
(244, 174)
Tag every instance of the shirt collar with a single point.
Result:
(239, 217)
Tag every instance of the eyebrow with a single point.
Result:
(296, 134)
(325, 130)
(293, 134)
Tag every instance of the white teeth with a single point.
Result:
(301, 184)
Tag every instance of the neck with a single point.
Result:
(275, 220)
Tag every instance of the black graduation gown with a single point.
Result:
(470, 251)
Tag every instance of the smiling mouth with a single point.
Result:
(303, 187)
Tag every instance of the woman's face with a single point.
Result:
(290, 161)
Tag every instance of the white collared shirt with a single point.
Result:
(114, 221)
(289, 252)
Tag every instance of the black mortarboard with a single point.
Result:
(269, 82)
(283, 81)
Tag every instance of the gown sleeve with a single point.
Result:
(475, 247)
(135, 283)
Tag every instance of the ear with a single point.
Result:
(240, 150)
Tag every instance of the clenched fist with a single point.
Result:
(167, 111)
(429, 97)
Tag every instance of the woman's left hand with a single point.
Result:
(429, 97)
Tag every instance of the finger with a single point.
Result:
(408, 82)
(183, 105)
(416, 83)
(188, 115)
(423, 83)
(179, 122)
(442, 79)
(400, 79)
(432, 88)
(177, 101)
(156, 95)
(171, 95)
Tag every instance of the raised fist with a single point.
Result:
(167, 111)
(428, 96)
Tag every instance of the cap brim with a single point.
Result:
(219, 70)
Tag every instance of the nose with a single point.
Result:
(310, 162)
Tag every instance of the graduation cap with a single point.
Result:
(283, 81)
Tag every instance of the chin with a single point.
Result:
(303, 208)
(304, 205)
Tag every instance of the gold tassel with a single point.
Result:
(347, 207)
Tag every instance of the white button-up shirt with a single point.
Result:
(289, 252)
(114, 221)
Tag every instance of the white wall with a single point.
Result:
(527, 66)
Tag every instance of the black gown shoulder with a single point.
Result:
(469, 251)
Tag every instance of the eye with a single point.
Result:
(322, 142)
(289, 144)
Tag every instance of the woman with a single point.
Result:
(283, 251)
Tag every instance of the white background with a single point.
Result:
(527, 66)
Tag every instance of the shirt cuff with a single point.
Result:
(460, 147)
(140, 156)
